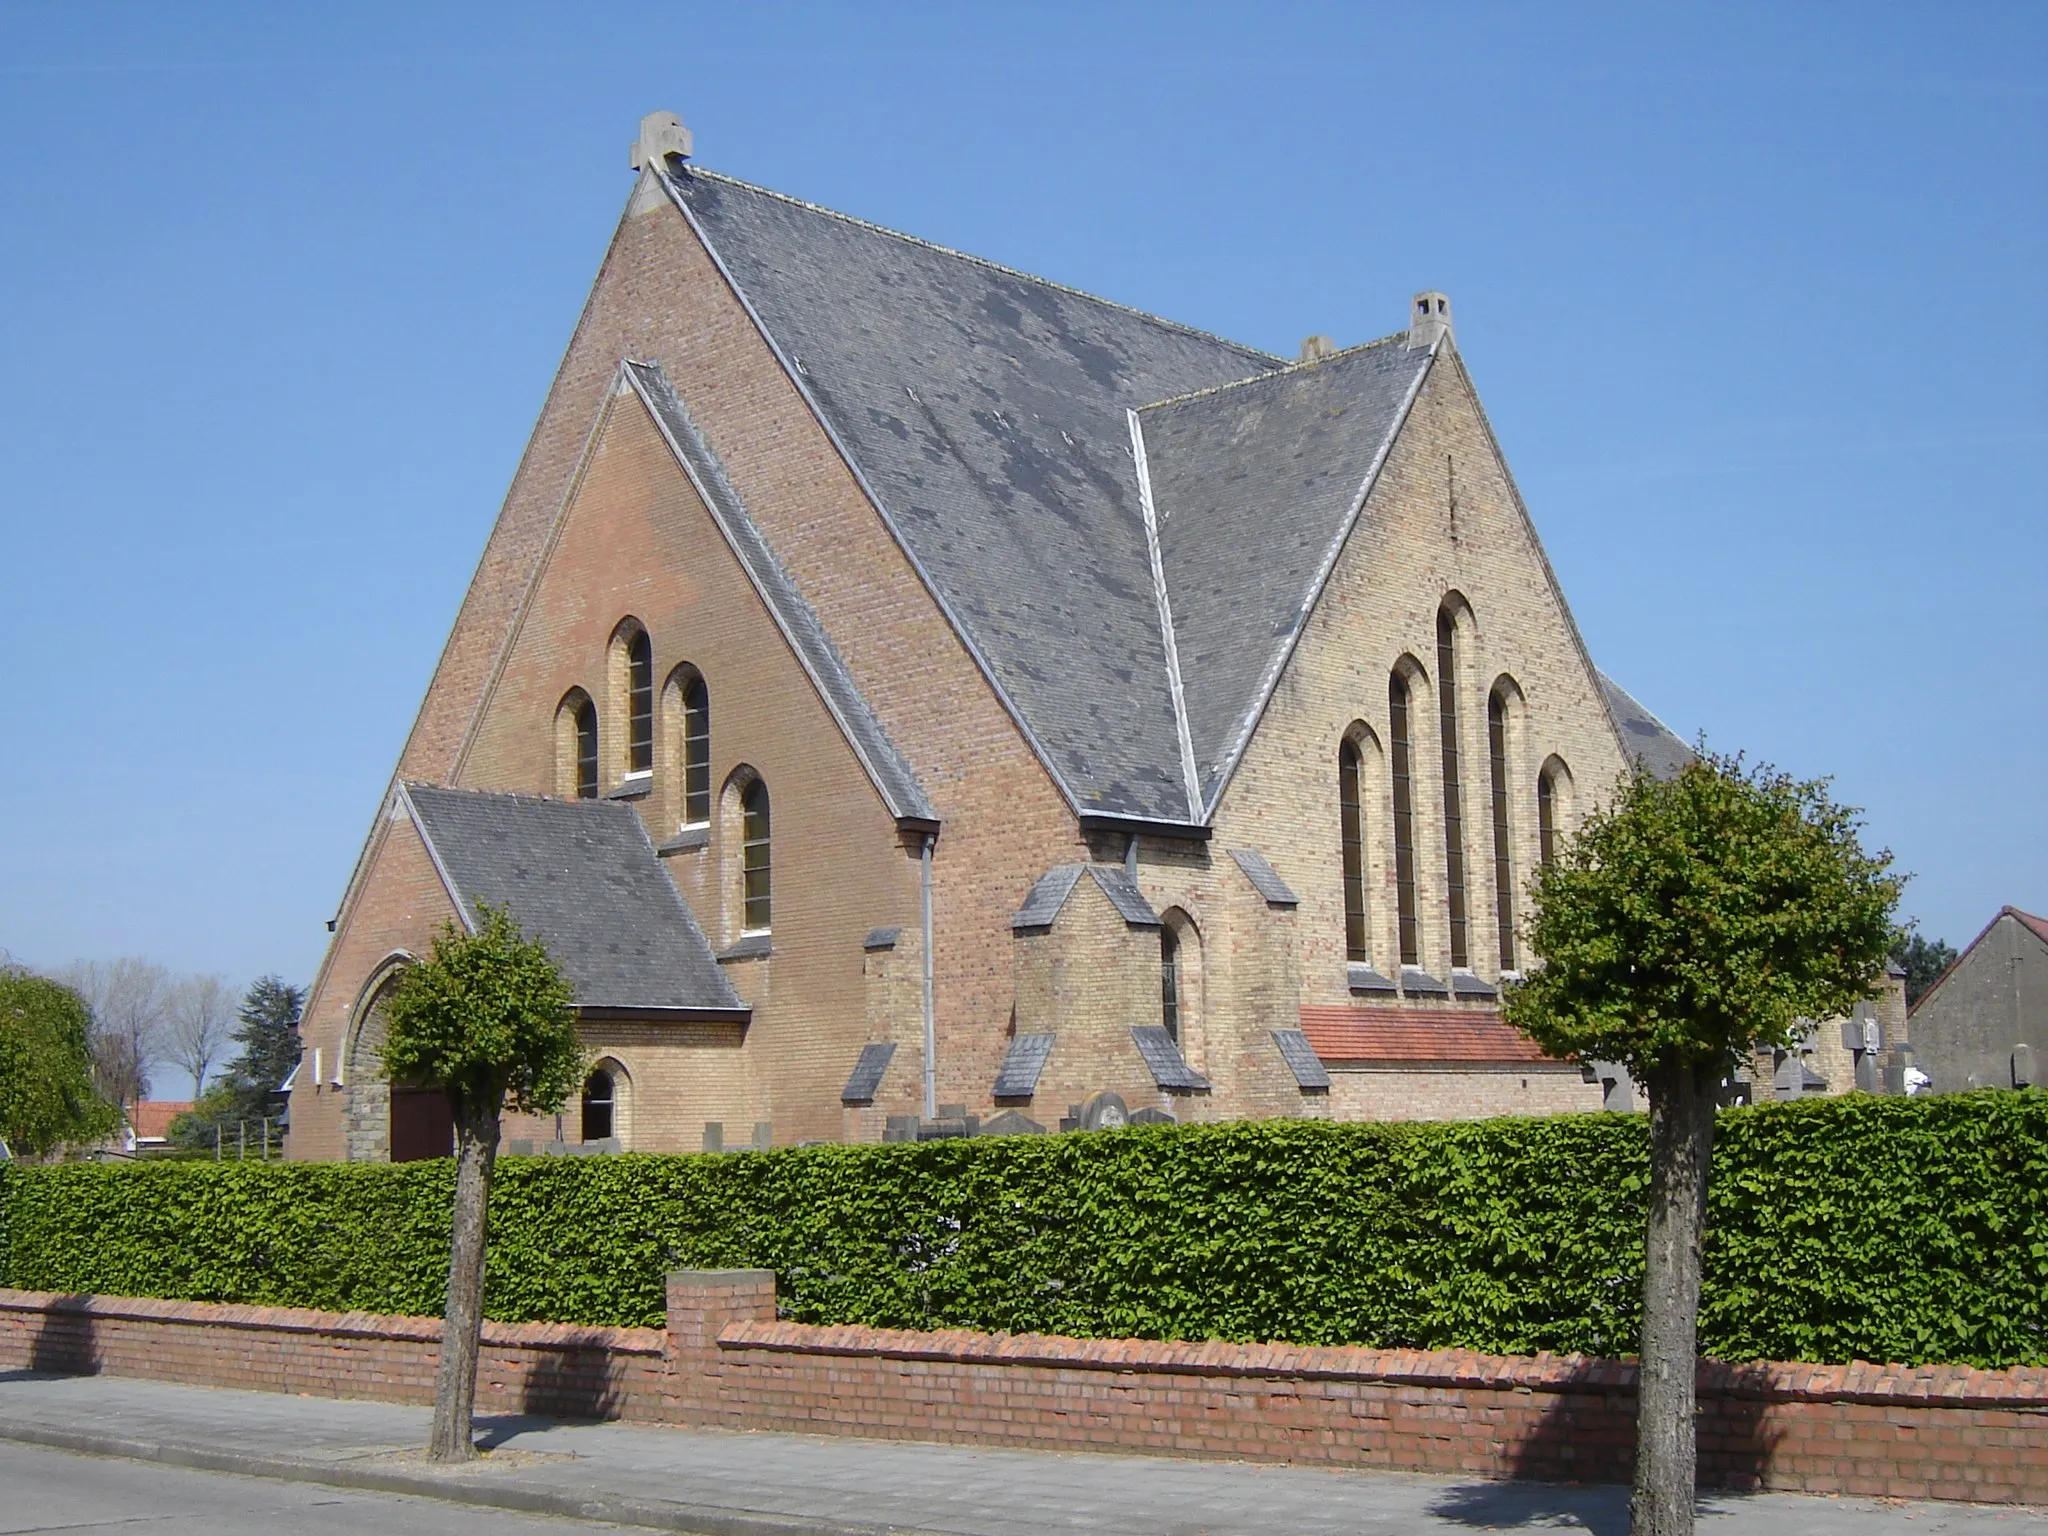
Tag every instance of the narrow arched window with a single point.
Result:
(1503, 851)
(600, 1099)
(1401, 751)
(639, 703)
(1454, 790)
(586, 750)
(696, 751)
(1169, 980)
(1546, 816)
(1351, 819)
(754, 858)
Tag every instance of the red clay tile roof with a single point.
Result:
(1342, 1033)
(152, 1118)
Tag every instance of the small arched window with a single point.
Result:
(639, 703)
(1169, 980)
(585, 722)
(1351, 819)
(1454, 789)
(754, 862)
(1503, 849)
(600, 1101)
(1553, 808)
(696, 750)
(1401, 753)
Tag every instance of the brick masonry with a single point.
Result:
(1947, 1432)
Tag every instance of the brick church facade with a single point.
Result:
(898, 687)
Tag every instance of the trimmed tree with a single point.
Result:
(1687, 925)
(47, 1098)
(486, 1019)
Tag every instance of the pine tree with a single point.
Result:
(251, 1089)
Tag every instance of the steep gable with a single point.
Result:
(987, 412)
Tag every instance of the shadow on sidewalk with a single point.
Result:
(1577, 1461)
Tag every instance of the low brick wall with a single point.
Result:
(724, 1360)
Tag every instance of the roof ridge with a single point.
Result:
(983, 261)
(534, 796)
(1278, 373)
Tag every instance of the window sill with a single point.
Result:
(633, 787)
(685, 840)
(752, 946)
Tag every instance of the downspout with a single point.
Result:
(931, 1028)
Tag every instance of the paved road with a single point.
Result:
(801, 1485)
(55, 1491)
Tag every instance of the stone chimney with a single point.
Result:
(1315, 348)
(1429, 319)
(662, 135)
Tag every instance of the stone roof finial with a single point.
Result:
(662, 134)
(1429, 319)
(1315, 348)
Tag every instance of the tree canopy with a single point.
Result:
(1699, 917)
(1923, 960)
(251, 1088)
(47, 1097)
(487, 1018)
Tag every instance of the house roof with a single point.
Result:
(2037, 926)
(1643, 736)
(582, 877)
(1079, 484)
(151, 1119)
(1338, 1033)
(1048, 896)
(1278, 465)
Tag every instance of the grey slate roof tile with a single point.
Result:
(1253, 487)
(1643, 735)
(1301, 1058)
(1264, 878)
(1017, 1078)
(1048, 896)
(1364, 976)
(867, 1073)
(1163, 1058)
(582, 877)
(892, 775)
(1124, 895)
(987, 410)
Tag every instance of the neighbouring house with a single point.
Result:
(149, 1123)
(899, 688)
(1984, 1022)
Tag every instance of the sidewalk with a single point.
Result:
(725, 1484)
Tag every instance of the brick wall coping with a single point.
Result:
(2023, 1388)
(378, 1325)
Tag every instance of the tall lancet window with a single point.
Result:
(639, 703)
(1351, 816)
(1401, 751)
(1503, 849)
(1454, 791)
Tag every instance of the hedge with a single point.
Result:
(1859, 1228)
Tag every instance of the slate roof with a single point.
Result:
(998, 421)
(1643, 735)
(867, 1072)
(987, 411)
(1403, 1034)
(1264, 878)
(1274, 467)
(1049, 895)
(1163, 1059)
(1017, 1077)
(1307, 1067)
(582, 877)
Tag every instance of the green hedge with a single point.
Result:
(1887, 1229)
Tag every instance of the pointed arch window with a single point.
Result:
(1401, 753)
(1503, 848)
(754, 864)
(696, 751)
(585, 724)
(600, 1102)
(1169, 980)
(639, 703)
(1351, 819)
(1546, 816)
(1454, 792)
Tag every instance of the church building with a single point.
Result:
(905, 694)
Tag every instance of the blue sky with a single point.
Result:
(1754, 295)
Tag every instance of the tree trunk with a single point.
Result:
(1682, 1103)
(476, 1150)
